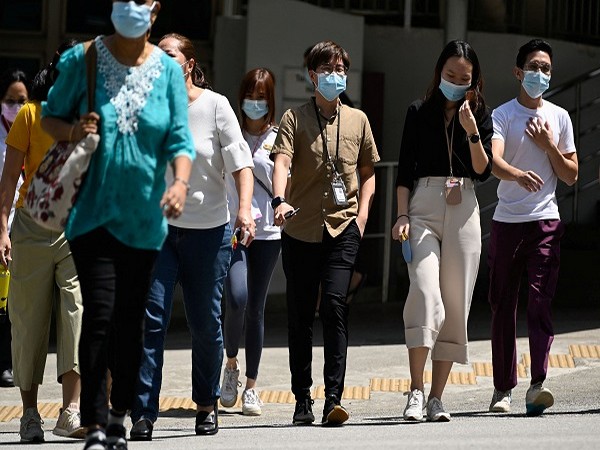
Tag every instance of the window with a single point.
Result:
(21, 15)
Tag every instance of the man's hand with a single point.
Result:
(541, 133)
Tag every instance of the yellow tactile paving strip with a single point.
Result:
(584, 351)
(480, 369)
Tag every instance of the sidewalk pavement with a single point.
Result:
(377, 375)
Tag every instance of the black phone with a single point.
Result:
(291, 213)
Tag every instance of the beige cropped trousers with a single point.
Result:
(446, 245)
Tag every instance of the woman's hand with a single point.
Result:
(87, 124)
(401, 227)
(466, 118)
(280, 213)
(245, 222)
(173, 200)
(5, 249)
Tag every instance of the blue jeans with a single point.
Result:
(199, 260)
(247, 286)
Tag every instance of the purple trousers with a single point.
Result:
(515, 247)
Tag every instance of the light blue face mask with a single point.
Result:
(130, 19)
(535, 83)
(331, 85)
(255, 109)
(453, 92)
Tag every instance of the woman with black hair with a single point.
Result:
(40, 260)
(446, 147)
(13, 95)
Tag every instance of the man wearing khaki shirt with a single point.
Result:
(328, 149)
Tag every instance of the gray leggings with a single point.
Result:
(246, 290)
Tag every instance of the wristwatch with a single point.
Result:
(474, 138)
(277, 201)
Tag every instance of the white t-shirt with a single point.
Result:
(220, 148)
(261, 199)
(515, 204)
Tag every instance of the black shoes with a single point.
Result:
(6, 378)
(115, 437)
(334, 414)
(303, 414)
(141, 430)
(207, 422)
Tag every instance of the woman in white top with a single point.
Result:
(252, 267)
(197, 251)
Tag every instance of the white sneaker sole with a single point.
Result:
(500, 407)
(78, 433)
(542, 401)
(439, 418)
(413, 417)
(228, 403)
(251, 411)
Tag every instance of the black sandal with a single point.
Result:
(207, 423)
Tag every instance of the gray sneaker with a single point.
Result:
(537, 399)
(414, 405)
(501, 401)
(229, 388)
(436, 412)
(31, 426)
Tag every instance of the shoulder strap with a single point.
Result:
(90, 62)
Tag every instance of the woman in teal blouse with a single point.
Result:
(117, 224)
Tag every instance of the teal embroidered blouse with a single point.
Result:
(143, 125)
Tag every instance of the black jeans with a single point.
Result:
(114, 280)
(307, 266)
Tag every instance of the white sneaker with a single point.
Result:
(251, 403)
(501, 401)
(69, 424)
(537, 399)
(31, 426)
(435, 411)
(414, 406)
(229, 388)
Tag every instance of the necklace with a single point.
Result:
(256, 139)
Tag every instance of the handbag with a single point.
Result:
(54, 186)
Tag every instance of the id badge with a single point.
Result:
(453, 192)
(339, 192)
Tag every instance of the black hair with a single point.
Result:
(9, 77)
(45, 78)
(323, 52)
(461, 49)
(534, 45)
(186, 47)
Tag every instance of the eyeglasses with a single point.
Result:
(328, 68)
(534, 67)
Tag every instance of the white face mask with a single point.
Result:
(10, 111)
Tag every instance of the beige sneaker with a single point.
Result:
(69, 424)
(501, 401)
(537, 399)
(31, 426)
(229, 388)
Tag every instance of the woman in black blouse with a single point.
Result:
(446, 146)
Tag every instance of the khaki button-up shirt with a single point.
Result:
(301, 139)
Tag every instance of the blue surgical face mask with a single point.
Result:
(331, 85)
(453, 92)
(535, 83)
(255, 109)
(130, 19)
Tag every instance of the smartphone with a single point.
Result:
(291, 213)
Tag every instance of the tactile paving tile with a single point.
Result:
(390, 384)
(584, 351)
(560, 361)
(484, 369)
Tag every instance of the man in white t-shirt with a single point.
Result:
(533, 147)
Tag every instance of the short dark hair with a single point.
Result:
(322, 52)
(534, 45)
